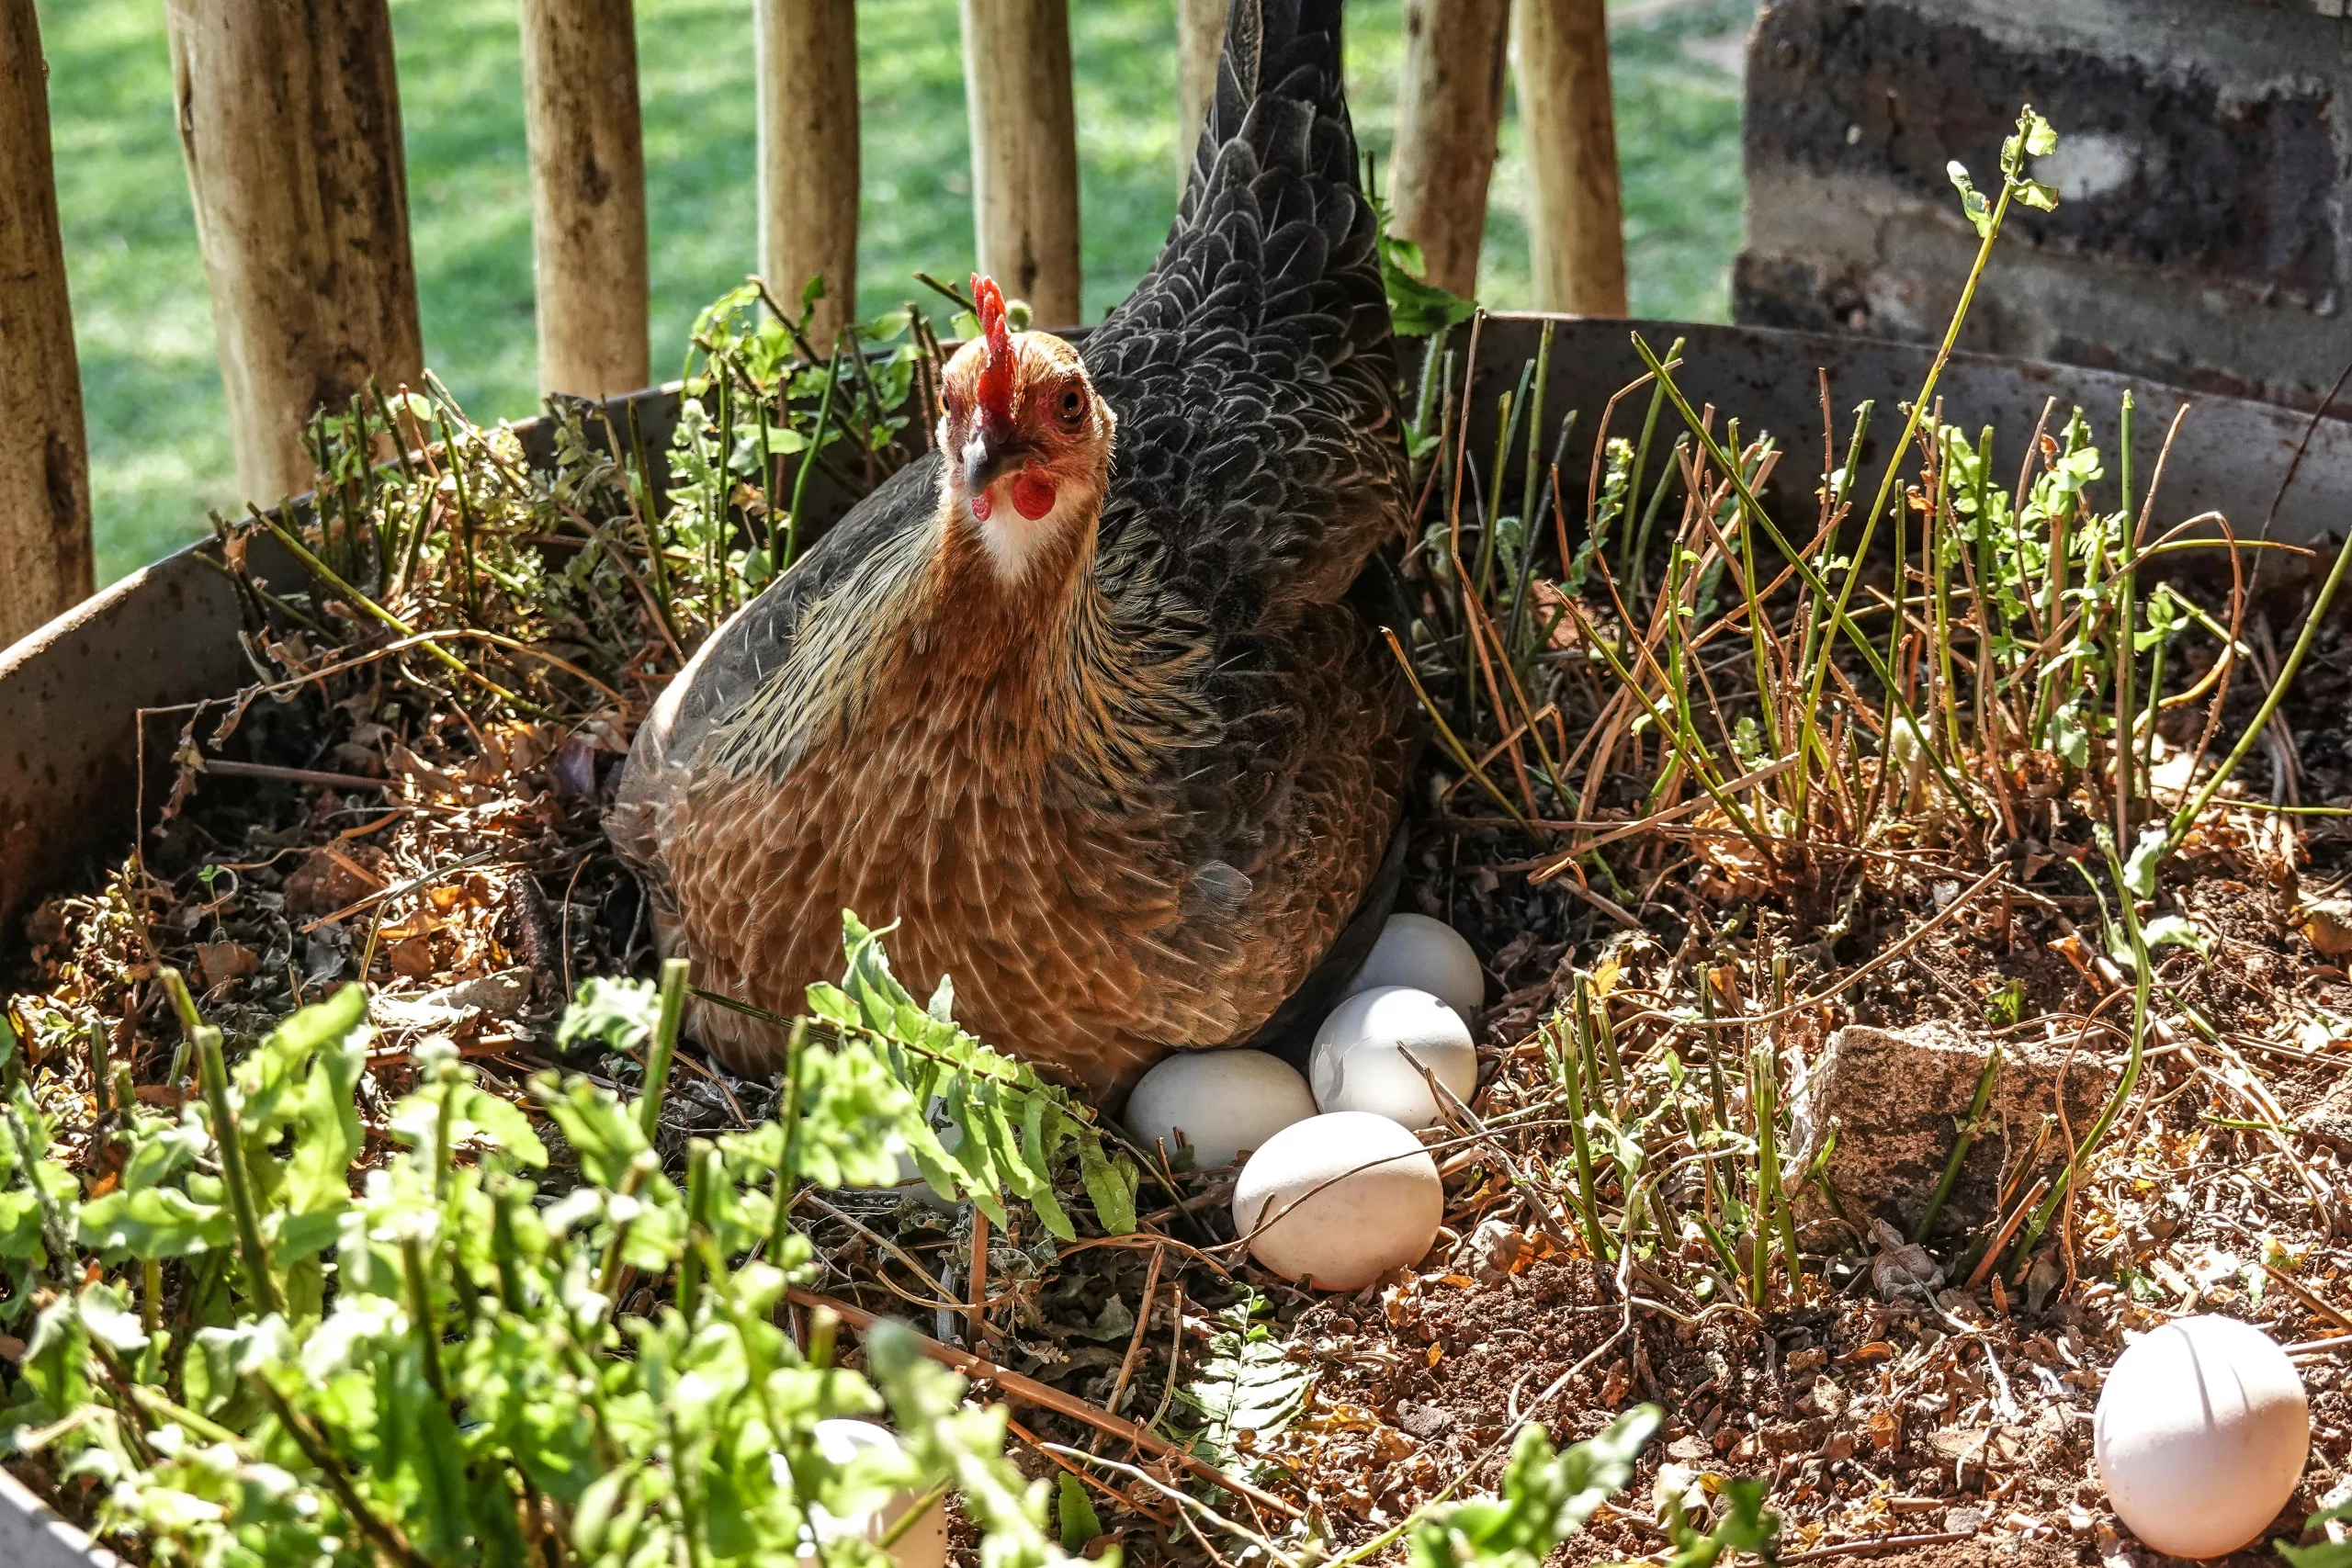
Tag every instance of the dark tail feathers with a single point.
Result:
(1279, 49)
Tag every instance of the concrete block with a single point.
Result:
(2200, 238)
(1896, 1097)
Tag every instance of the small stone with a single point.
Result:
(1964, 1517)
(1423, 1421)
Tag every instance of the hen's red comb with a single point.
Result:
(996, 373)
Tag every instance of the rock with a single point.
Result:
(1896, 1099)
(1423, 1421)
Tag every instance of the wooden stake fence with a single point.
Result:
(44, 469)
(1576, 231)
(289, 119)
(580, 108)
(1200, 36)
(1025, 152)
(806, 52)
(1445, 134)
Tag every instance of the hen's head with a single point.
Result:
(1027, 442)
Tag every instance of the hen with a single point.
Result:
(1080, 699)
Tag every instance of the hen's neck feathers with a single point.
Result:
(1018, 675)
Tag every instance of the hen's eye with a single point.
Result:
(1073, 405)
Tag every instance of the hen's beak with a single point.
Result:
(989, 455)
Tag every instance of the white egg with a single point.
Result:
(2202, 1434)
(1366, 1053)
(1345, 1197)
(924, 1542)
(1429, 955)
(1221, 1102)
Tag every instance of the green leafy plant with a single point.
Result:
(1547, 1493)
(1247, 1383)
(469, 1357)
(1016, 1128)
(2327, 1554)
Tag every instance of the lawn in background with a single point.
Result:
(158, 451)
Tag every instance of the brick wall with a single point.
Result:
(2204, 234)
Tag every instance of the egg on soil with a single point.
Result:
(2201, 1436)
(1429, 955)
(923, 1544)
(1344, 1198)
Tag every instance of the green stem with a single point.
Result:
(1766, 1072)
(176, 986)
(376, 612)
(233, 1175)
(1961, 1144)
(2143, 977)
(1808, 719)
(702, 1157)
(1573, 1064)
(788, 1175)
(101, 1083)
(2126, 654)
(663, 1051)
(1638, 565)
(420, 1312)
(608, 1275)
(505, 1248)
(464, 516)
(809, 462)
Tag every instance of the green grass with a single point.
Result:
(159, 450)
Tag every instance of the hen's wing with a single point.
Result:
(703, 708)
(1259, 455)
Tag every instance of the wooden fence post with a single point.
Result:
(45, 464)
(289, 120)
(1445, 133)
(1200, 39)
(807, 66)
(1025, 152)
(1576, 231)
(580, 108)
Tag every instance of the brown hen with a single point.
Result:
(1082, 700)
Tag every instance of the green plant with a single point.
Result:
(1545, 1497)
(463, 1355)
(1246, 1383)
(2330, 1553)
